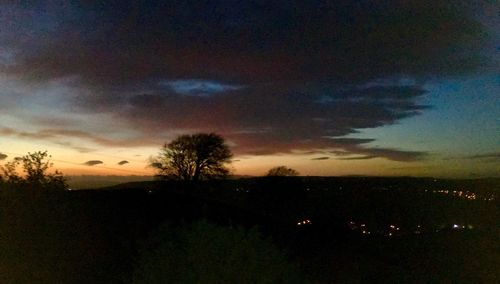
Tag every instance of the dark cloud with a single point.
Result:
(390, 154)
(146, 101)
(75, 147)
(258, 119)
(350, 141)
(110, 43)
(495, 156)
(156, 165)
(194, 87)
(121, 163)
(57, 135)
(276, 76)
(3, 156)
(487, 157)
(357, 158)
(320, 158)
(93, 162)
(426, 167)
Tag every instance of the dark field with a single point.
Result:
(322, 230)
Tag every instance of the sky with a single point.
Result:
(393, 88)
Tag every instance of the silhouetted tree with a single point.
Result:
(10, 175)
(35, 167)
(193, 157)
(282, 171)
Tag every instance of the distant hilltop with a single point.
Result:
(97, 181)
(101, 181)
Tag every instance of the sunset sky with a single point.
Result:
(325, 87)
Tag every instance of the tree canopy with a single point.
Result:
(36, 172)
(282, 171)
(193, 158)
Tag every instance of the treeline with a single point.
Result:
(36, 175)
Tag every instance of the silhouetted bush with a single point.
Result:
(282, 171)
(206, 253)
(36, 173)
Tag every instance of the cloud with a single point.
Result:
(196, 87)
(357, 158)
(93, 162)
(3, 156)
(71, 145)
(350, 141)
(279, 41)
(255, 119)
(121, 163)
(426, 167)
(156, 165)
(146, 101)
(493, 157)
(390, 154)
(274, 78)
(320, 158)
(57, 136)
(258, 119)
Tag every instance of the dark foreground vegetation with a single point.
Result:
(256, 230)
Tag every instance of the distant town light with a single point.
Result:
(304, 222)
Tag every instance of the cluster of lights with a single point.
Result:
(364, 230)
(394, 227)
(455, 227)
(463, 194)
(304, 222)
(359, 227)
(395, 230)
(457, 193)
(418, 230)
(462, 227)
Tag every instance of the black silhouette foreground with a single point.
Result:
(206, 253)
(36, 173)
(193, 158)
(282, 171)
(250, 230)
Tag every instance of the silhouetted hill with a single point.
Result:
(95, 182)
(335, 229)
